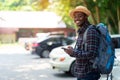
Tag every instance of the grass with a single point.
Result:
(8, 44)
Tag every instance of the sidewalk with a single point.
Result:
(15, 48)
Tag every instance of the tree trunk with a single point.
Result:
(98, 14)
(93, 17)
(118, 14)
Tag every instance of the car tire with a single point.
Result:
(72, 69)
(45, 54)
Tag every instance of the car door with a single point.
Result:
(116, 68)
(54, 42)
(66, 41)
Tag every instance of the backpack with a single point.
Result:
(106, 53)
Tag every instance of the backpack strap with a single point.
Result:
(84, 43)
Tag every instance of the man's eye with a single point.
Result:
(79, 16)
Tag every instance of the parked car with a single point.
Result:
(44, 45)
(61, 61)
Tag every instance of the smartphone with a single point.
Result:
(64, 48)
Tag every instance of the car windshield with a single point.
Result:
(40, 39)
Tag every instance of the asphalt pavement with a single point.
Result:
(18, 64)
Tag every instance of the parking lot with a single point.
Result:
(18, 64)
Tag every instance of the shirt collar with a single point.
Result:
(83, 28)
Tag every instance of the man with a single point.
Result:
(84, 67)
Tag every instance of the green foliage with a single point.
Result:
(40, 4)
(13, 4)
(105, 11)
(62, 8)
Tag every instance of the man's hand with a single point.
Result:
(68, 50)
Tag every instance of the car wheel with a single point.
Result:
(45, 54)
(72, 69)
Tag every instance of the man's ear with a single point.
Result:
(86, 17)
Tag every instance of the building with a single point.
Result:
(14, 25)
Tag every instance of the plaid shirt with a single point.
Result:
(83, 64)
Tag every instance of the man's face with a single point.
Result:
(79, 18)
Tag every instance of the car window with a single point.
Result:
(116, 42)
(54, 40)
(67, 41)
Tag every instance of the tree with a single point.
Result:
(40, 5)
(14, 5)
(103, 12)
(106, 11)
(62, 8)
